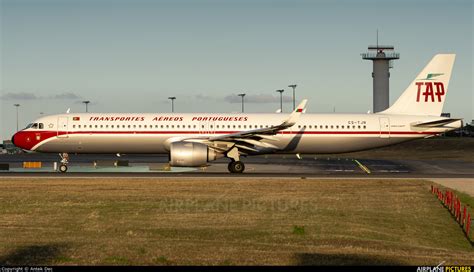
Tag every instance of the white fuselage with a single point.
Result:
(152, 133)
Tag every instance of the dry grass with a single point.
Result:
(225, 221)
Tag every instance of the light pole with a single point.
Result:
(172, 98)
(242, 95)
(17, 106)
(281, 99)
(294, 87)
(86, 102)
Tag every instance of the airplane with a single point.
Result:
(195, 139)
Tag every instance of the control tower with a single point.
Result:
(382, 57)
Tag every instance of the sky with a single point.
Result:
(131, 55)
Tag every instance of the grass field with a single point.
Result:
(225, 222)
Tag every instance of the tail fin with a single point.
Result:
(426, 94)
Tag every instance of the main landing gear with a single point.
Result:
(235, 166)
(64, 161)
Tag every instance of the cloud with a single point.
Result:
(65, 96)
(19, 96)
(257, 99)
(32, 96)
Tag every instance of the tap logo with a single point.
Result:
(431, 89)
(431, 76)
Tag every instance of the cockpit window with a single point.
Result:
(35, 126)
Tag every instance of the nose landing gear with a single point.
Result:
(64, 161)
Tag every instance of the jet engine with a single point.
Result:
(191, 154)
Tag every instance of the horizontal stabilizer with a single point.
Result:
(436, 123)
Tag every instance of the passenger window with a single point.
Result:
(364, 127)
(161, 126)
(90, 126)
(41, 126)
(358, 127)
(79, 126)
(194, 126)
(101, 126)
(342, 126)
(239, 126)
(245, 126)
(332, 126)
(172, 126)
(140, 126)
(326, 126)
(112, 126)
(73, 126)
(129, 126)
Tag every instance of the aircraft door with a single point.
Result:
(384, 127)
(62, 131)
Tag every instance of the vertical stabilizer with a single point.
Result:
(427, 93)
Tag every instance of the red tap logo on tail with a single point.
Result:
(431, 91)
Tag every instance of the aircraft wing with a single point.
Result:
(251, 140)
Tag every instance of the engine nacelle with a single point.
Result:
(191, 154)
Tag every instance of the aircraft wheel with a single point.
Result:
(63, 168)
(236, 167)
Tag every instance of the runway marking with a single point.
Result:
(363, 167)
